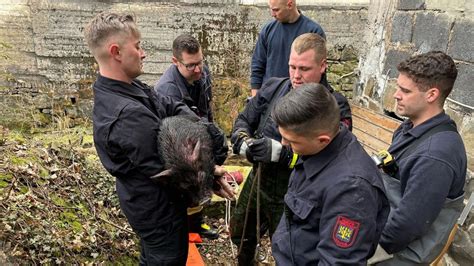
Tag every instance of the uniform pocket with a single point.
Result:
(301, 208)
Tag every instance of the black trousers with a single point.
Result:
(165, 245)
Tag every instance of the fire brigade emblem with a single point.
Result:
(345, 232)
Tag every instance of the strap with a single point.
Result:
(293, 161)
(412, 145)
(266, 114)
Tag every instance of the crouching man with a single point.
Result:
(335, 206)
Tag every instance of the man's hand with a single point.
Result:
(264, 150)
(222, 187)
(253, 92)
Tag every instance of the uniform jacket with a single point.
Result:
(272, 51)
(126, 121)
(249, 119)
(197, 95)
(336, 207)
(434, 172)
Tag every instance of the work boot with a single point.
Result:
(207, 232)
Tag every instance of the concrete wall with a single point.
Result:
(400, 28)
(42, 47)
(45, 42)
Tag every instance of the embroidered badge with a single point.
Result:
(345, 232)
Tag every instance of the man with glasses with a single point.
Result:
(188, 80)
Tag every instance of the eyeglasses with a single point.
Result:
(191, 67)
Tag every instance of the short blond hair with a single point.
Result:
(106, 25)
(308, 41)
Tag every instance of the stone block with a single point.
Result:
(463, 91)
(462, 248)
(431, 31)
(388, 102)
(460, 46)
(369, 87)
(411, 4)
(402, 27)
(392, 58)
(466, 130)
(448, 5)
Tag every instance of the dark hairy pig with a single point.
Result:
(186, 149)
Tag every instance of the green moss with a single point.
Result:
(70, 220)
(24, 189)
(18, 161)
(58, 201)
(4, 184)
(17, 137)
(6, 177)
(43, 172)
(87, 139)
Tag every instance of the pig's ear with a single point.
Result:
(163, 174)
(196, 151)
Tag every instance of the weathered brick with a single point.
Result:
(431, 31)
(402, 27)
(460, 46)
(392, 58)
(388, 102)
(463, 91)
(369, 87)
(411, 4)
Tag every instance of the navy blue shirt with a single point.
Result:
(272, 51)
(434, 171)
(197, 95)
(336, 207)
(126, 120)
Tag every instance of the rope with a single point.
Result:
(258, 212)
(228, 205)
(248, 209)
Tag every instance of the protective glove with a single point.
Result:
(219, 143)
(238, 139)
(264, 150)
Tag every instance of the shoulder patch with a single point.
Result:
(345, 232)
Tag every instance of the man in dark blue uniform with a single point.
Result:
(188, 80)
(272, 51)
(126, 120)
(335, 207)
(256, 137)
(426, 193)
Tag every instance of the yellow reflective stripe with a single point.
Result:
(293, 160)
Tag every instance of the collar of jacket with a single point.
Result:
(407, 125)
(313, 164)
(136, 89)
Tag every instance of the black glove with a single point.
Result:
(264, 150)
(219, 143)
(237, 139)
